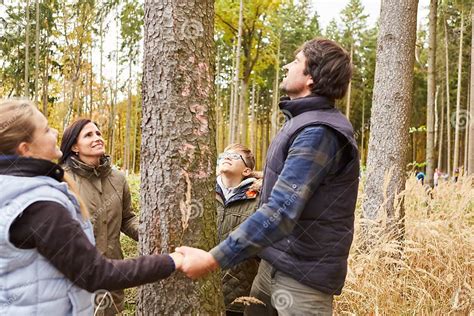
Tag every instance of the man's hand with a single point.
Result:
(196, 262)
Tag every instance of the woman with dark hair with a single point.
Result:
(104, 190)
(48, 262)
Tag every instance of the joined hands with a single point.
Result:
(193, 262)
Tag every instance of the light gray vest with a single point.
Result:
(29, 283)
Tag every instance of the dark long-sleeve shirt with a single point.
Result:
(313, 153)
(48, 227)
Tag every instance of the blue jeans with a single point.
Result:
(285, 296)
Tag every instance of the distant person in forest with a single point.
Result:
(456, 175)
(420, 177)
(436, 176)
(104, 189)
(237, 194)
(304, 226)
(48, 262)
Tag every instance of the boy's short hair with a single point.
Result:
(245, 152)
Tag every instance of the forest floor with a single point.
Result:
(430, 273)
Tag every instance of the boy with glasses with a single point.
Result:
(237, 198)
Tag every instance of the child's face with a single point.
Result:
(232, 163)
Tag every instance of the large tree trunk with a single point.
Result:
(178, 151)
(448, 94)
(458, 99)
(27, 50)
(431, 94)
(470, 164)
(392, 100)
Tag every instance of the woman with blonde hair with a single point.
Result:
(48, 261)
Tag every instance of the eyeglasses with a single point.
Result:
(232, 156)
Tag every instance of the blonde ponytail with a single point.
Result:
(72, 186)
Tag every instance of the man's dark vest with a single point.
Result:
(316, 252)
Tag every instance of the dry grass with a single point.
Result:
(431, 272)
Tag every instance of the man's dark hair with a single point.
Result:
(330, 67)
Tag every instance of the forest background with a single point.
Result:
(58, 53)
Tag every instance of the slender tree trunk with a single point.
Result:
(253, 141)
(115, 102)
(362, 140)
(470, 155)
(101, 79)
(436, 120)
(430, 137)
(458, 98)
(465, 125)
(265, 136)
(237, 91)
(178, 151)
(276, 93)
(348, 95)
(134, 140)
(126, 157)
(244, 112)
(27, 49)
(110, 143)
(45, 80)
(448, 106)
(441, 132)
(392, 101)
(219, 116)
(232, 101)
(37, 44)
(91, 81)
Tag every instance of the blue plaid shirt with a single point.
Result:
(313, 153)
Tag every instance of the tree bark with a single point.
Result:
(431, 93)
(470, 164)
(392, 101)
(458, 99)
(178, 151)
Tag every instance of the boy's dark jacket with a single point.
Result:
(236, 282)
